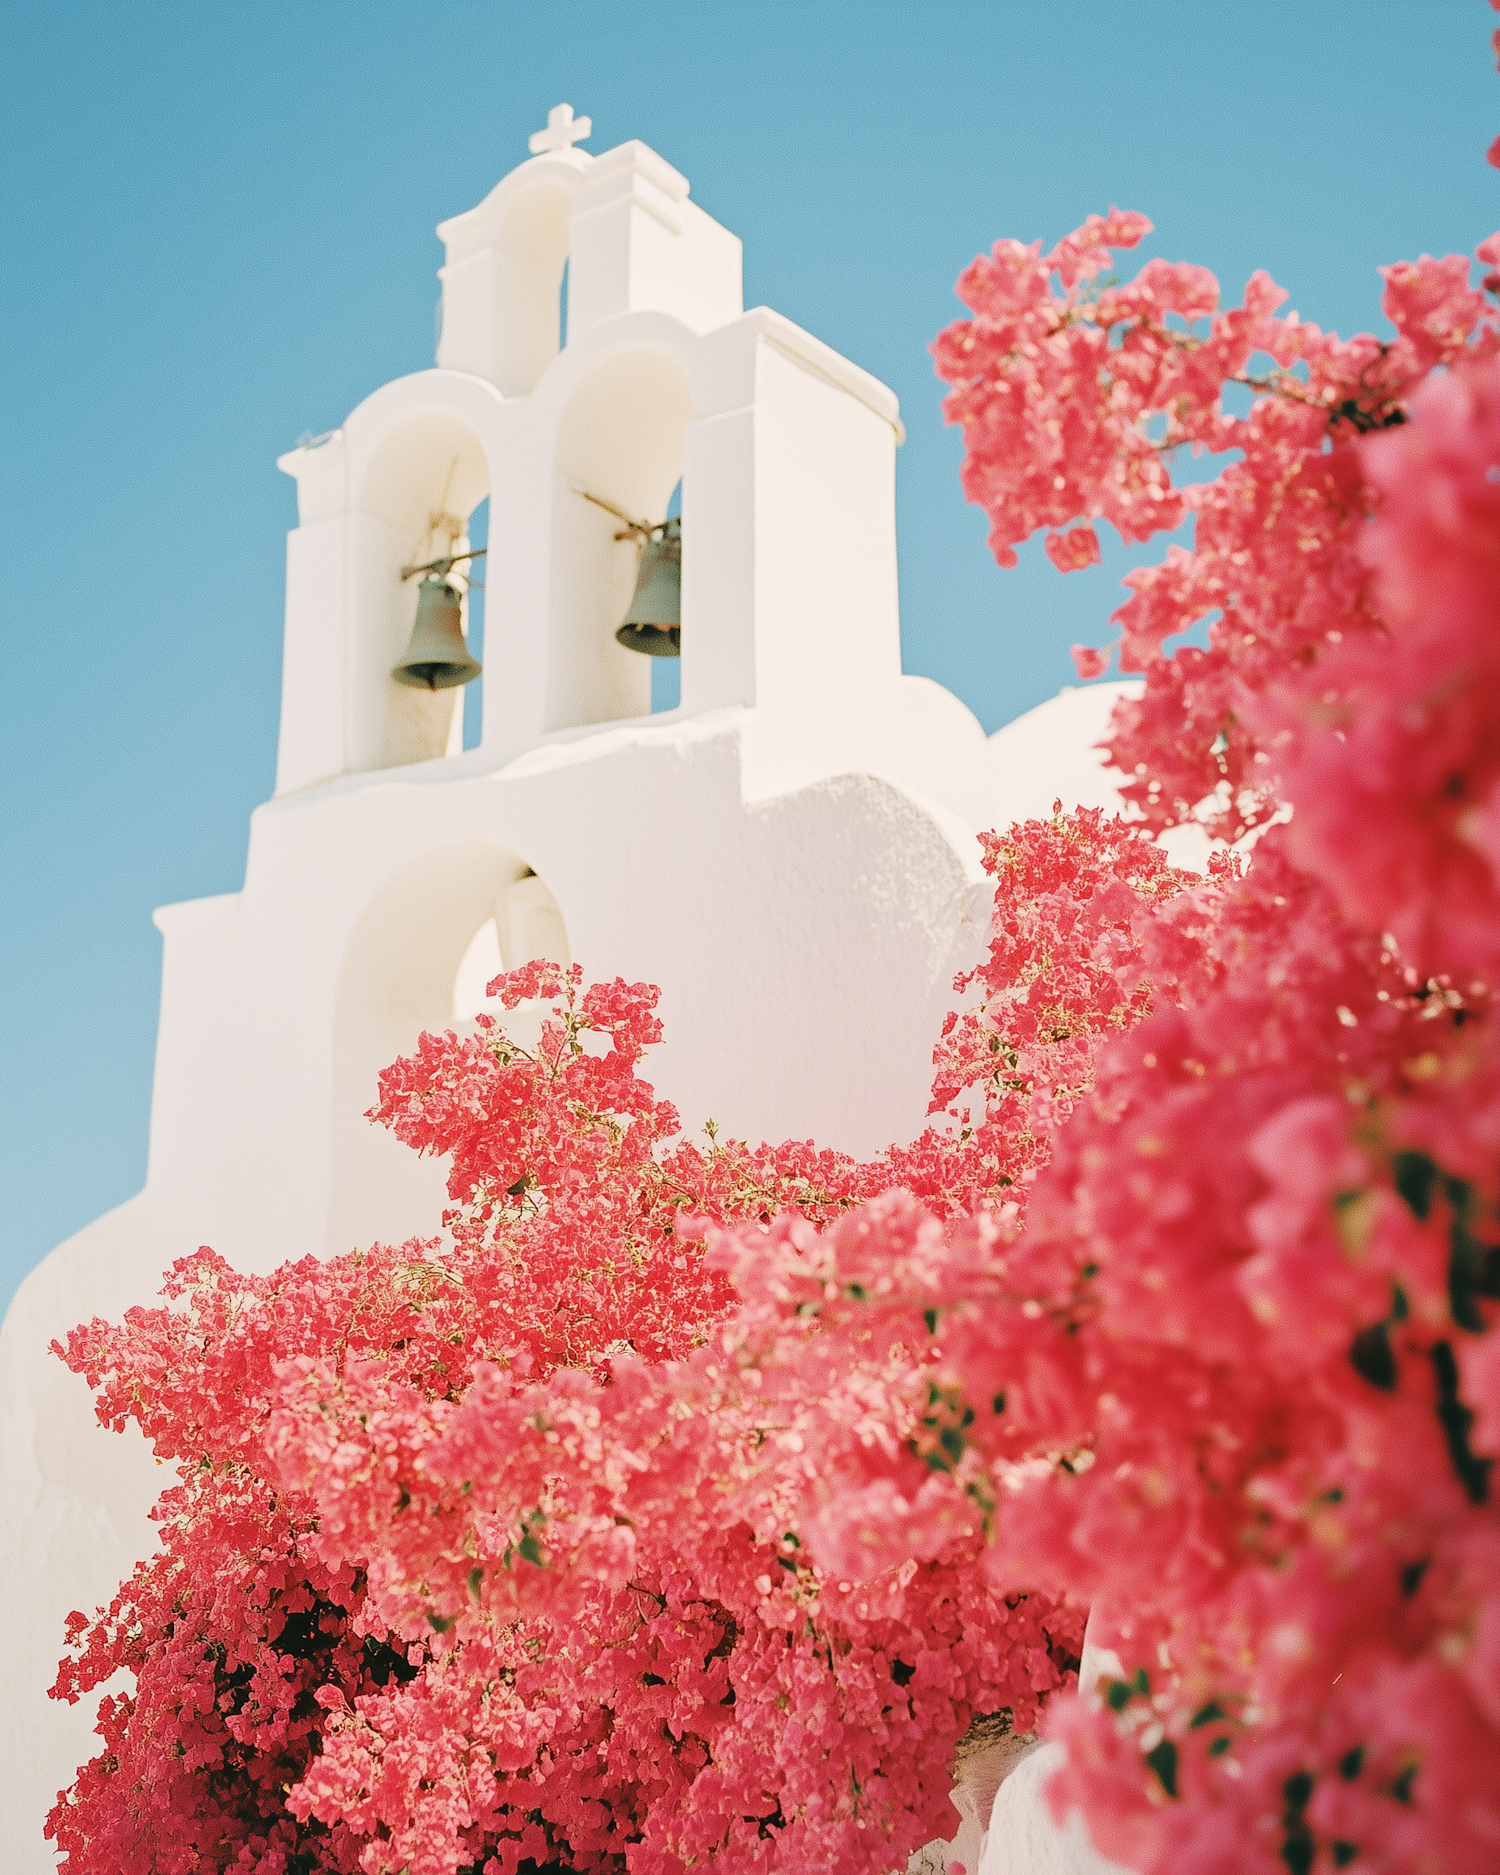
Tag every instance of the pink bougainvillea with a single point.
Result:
(1073, 403)
(510, 1564)
(686, 1503)
(1265, 1251)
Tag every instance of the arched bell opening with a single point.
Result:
(504, 304)
(531, 259)
(421, 484)
(415, 961)
(562, 304)
(619, 441)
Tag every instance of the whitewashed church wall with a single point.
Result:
(790, 854)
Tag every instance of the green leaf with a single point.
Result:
(1473, 1267)
(1299, 1851)
(1373, 1357)
(1415, 1177)
(1163, 1760)
(1455, 1418)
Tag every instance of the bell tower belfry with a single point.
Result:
(789, 853)
(652, 374)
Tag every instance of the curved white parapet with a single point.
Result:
(1024, 1837)
(987, 1755)
(73, 1509)
(1052, 754)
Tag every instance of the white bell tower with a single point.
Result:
(786, 456)
(789, 853)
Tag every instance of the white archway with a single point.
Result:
(620, 437)
(503, 275)
(527, 924)
(422, 482)
(400, 974)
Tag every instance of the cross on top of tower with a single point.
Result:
(563, 130)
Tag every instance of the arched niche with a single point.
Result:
(527, 924)
(502, 280)
(401, 974)
(529, 259)
(620, 437)
(421, 483)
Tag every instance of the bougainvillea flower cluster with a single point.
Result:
(512, 1567)
(686, 1503)
(1073, 401)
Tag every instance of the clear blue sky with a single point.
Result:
(218, 233)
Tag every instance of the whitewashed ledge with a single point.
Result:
(1007, 1825)
(987, 1754)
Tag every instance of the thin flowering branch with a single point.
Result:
(1055, 392)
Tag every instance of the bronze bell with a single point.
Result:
(437, 657)
(653, 621)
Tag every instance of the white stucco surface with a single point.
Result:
(790, 854)
(1024, 1838)
(1049, 754)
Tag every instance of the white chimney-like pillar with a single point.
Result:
(639, 245)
